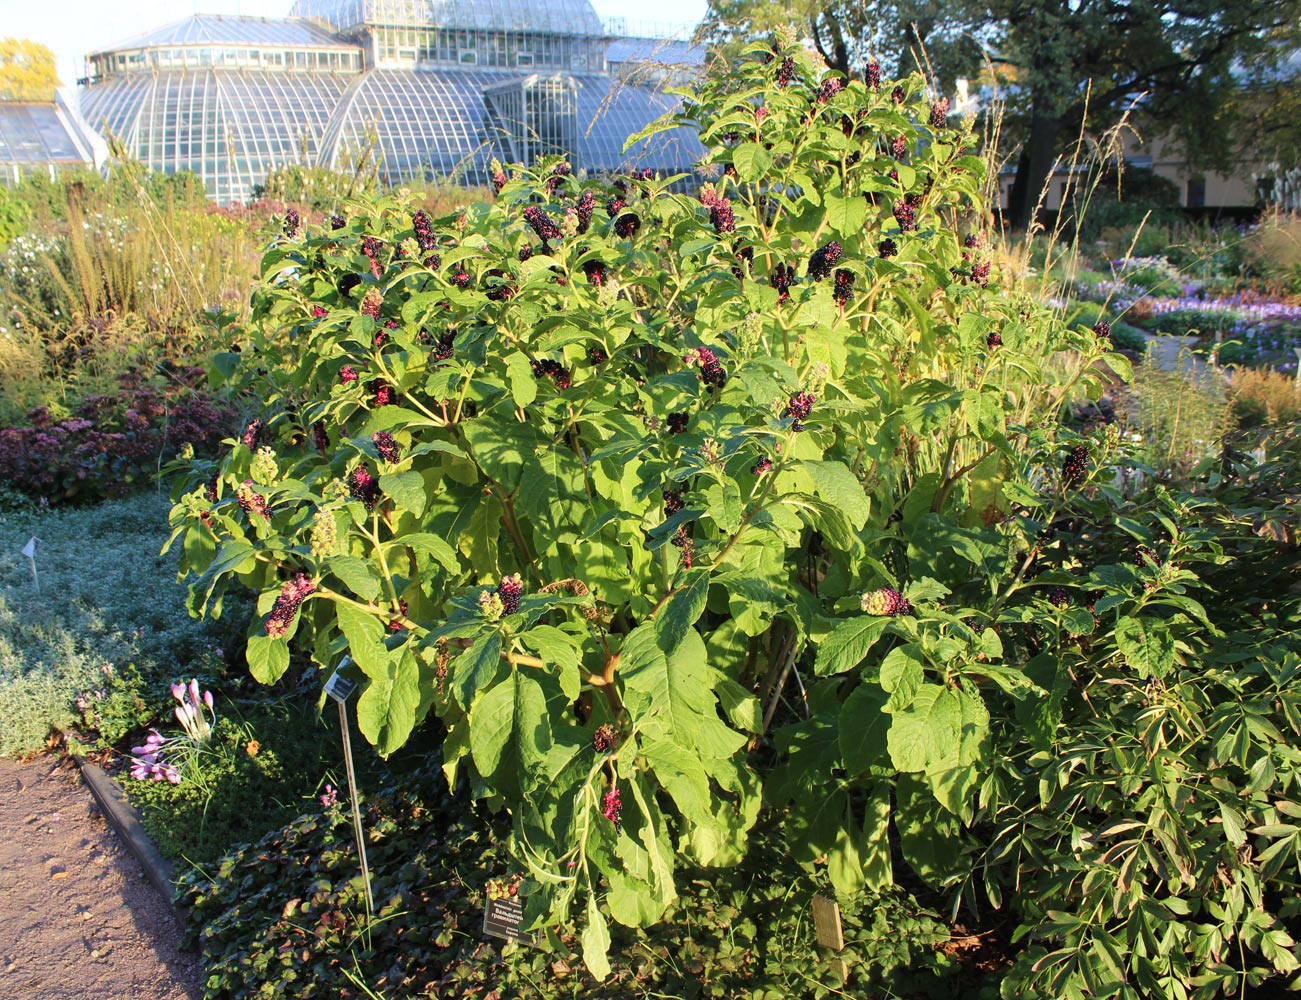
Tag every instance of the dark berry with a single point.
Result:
(844, 288)
(509, 590)
(823, 259)
(872, 74)
(385, 445)
(1076, 466)
(541, 223)
(677, 422)
(286, 606)
(888, 248)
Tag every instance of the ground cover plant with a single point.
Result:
(689, 515)
(106, 628)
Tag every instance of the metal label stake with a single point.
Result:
(340, 688)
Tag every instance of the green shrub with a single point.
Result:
(695, 517)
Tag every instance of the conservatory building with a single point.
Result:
(424, 87)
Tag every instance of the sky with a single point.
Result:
(73, 28)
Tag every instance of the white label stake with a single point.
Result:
(29, 550)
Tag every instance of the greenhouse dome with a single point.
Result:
(428, 88)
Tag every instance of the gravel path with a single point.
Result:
(78, 920)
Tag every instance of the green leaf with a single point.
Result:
(443, 553)
(356, 575)
(268, 658)
(365, 637)
(510, 731)
(1147, 646)
(561, 653)
(840, 488)
(407, 490)
(596, 942)
(751, 161)
(682, 609)
(848, 644)
(927, 732)
(387, 710)
(476, 667)
(846, 215)
(863, 728)
(523, 386)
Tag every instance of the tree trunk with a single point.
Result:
(1033, 168)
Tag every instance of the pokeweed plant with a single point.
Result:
(590, 471)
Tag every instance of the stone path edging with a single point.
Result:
(125, 820)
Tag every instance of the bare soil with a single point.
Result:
(78, 919)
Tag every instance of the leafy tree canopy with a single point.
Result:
(1068, 62)
(27, 71)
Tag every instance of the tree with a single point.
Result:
(1074, 61)
(27, 71)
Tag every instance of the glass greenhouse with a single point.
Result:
(44, 137)
(429, 87)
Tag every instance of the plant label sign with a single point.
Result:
(826, 922)
(502, 917)
(338, 687)
(29, 550)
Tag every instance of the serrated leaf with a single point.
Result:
(848, 645)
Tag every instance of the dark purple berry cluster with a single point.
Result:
(210, 491)
(1102, 330)
(887, 248)
(384, 395)
(557, 176)
(586, 205)
(337, 222)
(720, 212)
(252, 435)
(509, 590)
(363, 486)
(1076, 466)
(541, 224)
(286, 606)
(372, 302)
(995, 339)
(321, 437)
(612, 806)
(786, 72)
(293, 224)
(554, 370)
(940, 113)
(781, 278)
(347, 374)
(844, 287)
(597, 355)
(798, 408)
(764, 464)
(385, 445)
(712, 372)
(605, 739)
(626, 225)
(373, 248)
(424, 230)
(1059, 597)
(824, 259)
(830, 88)
(250, 501)
(673, 502)
(872, 74)
(905, 213)
(677, 422)
(443, 349)
(899, 147)
(461, 278)
(897, 95)
(596, 271)
(498, 180)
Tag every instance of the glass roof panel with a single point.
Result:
(37, 133)
(215, 29)
(562, 17)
